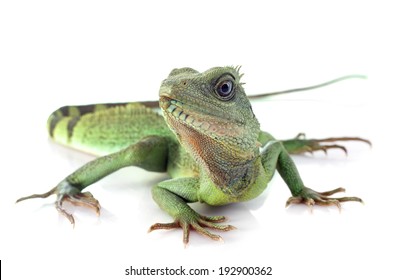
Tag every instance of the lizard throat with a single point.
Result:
(223, 149)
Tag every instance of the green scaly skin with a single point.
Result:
(208, 140)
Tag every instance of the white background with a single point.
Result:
(55, 53)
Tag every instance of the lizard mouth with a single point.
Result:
(178, 113)
(174, 109)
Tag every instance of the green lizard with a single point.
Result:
(208, 140)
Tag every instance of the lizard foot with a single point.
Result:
(65, 192)
(196, 222)
(311, 197)
(85, 199)
(300, 144)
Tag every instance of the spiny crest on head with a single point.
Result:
(237, 69)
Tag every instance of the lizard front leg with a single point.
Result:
(172, 196)
(275, 156)
(150, 153)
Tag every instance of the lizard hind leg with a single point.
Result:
(149, 153)
(300, 144)
(71, 195)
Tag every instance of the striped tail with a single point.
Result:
(68, 116)
(104, 128)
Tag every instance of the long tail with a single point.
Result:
(264, 95)
(72, 114)
(100, 129)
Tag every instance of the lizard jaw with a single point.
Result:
(173, 108)
(176, 112)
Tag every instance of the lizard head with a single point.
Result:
(212, 118)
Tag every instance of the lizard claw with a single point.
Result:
(300, 144)
(310, 198)
(85, 199)
(65, 192)
(197, 223)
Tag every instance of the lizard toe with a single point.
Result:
(310, 198)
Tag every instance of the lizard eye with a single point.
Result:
(224, 90)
